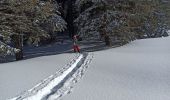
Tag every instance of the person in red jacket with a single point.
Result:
(75, 44)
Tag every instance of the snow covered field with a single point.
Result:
(17, 77)
(137, 71)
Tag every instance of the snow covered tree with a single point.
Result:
(113, 20)
(155, 23)
(100, 18)
(25, 18)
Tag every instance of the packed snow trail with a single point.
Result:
(59, 84)
(139, 70)
(73, 77)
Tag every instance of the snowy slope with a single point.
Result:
(17, 77)
(137, 71)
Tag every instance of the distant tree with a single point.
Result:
(25, 18)
(112, 20)
(155, 23)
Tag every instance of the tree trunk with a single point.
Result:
(70, 18)
(68, 13)
(17, 39)
(107, 40)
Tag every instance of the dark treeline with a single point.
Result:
(24, 22)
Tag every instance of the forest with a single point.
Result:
(37, 22)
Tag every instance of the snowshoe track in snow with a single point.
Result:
(61, 83)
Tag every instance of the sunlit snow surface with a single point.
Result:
(17, 77)
(137, 71)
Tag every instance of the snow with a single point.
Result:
(60, 83)
(168, 32)
(17, 77)
(73, 77)
(48, 89)
(137, 71)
